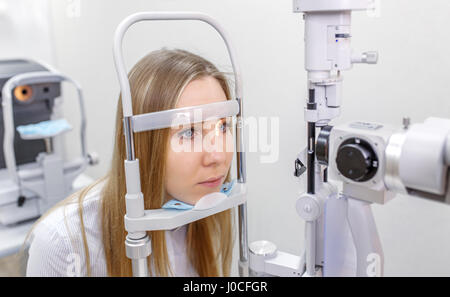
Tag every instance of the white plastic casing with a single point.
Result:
(328, 52)
(327, 41)
(422, 160)
(330, 5)
(328, 96)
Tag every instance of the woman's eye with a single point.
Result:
(224, 126)
(188, 133)
(192, 132)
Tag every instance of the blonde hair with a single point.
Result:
(156, 83)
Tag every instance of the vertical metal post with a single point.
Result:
(310, 233)
(138, 245)
(242, 209)
(311, 157)
(129, 141)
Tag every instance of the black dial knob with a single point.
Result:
(356, 160)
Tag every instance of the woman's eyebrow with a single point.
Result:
(184, 126)
(215, 121)
(187, 126)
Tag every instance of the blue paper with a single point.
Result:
(227, 187)
(176, 204)
(44, 129)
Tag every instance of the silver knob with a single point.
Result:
(406, 123)
(370, 57)
(263, 248)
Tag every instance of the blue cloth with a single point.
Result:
(176, 204)
(226, 188)
(44, 129)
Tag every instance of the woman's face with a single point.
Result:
(201, 151)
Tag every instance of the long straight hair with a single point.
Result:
(156, 83)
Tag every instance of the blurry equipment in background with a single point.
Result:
(33, 173)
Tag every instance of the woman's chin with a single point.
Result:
(195, 200)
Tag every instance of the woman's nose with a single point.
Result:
(214, 148)
(214, 158)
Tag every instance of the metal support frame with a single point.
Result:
(138, 244)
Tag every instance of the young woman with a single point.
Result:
(84, 234)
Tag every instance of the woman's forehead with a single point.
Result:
(201, 91)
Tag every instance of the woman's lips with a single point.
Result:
(212, 183)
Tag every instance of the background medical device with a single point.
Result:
(33, 173)
(31, 104)
(137, 219)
